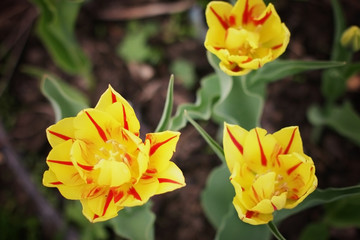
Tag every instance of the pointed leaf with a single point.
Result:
(166, 115)
(319, 196)
(212, 143)
(280, 69)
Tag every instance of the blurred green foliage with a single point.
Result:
(136, 47)
(56, 28)
(341, 117)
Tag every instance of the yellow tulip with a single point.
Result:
(98, 158)
(351, 38)
(269, 172)
(245, 36)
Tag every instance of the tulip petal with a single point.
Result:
(114, 104)
(258, 149)
(246, 10)
(289, 139)
(233, 141)
(93, 126)
(59, 161)
(60, 132)
(264, 185)
(170, 179)
(50, 179)
(162, 147)
(141, 192)
(217, 13)
(112, 173)
(135, 144)
(100, 208)
(249, 216)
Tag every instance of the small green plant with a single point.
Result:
(135, 47)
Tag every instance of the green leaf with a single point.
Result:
(166, 115)
(339, 53)
(319, 196)
(202, 108)
(242, 105)
(55, 27)
(343, 119)
(212, 143)
(275, 231)
(135, 223)
(239, 102)
(280, 69)
(341, 213)
(333, 84)
(232, 228)
(334, 80)
(65, 100)
(217, 195)
(315, 231)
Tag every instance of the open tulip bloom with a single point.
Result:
(98, 158)
(268, 171)
(245, 36)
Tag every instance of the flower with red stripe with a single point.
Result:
(268, 171)
(245, 36)
(98, 158)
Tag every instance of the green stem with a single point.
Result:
(275, 231)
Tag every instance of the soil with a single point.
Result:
(26, 114)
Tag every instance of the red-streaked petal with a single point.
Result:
(221, 20)
(167, 180)
(68, 163)
(134, 193)
(293, 168)
(114, 104)
(263, 157)
(61, 132)
(126, 125)
(162, 147)
(109, 198)
(236, 143)
(59, 135)
(56, 183)
(156, 146)
(263, 19)
(98, 128)
(290, 141)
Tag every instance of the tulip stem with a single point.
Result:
(275, 231)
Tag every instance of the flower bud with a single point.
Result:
(351, 38)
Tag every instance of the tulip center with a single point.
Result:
(113, 150)
(280, 185)
(241, 42)
(114, 162)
